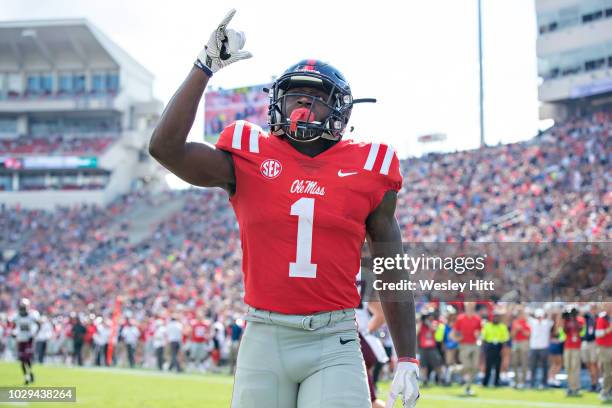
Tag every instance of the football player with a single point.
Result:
(370, 317)
(371, 347)
(200, 333)
(26, 327)
(305, 200)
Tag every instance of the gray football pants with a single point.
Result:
(295, 361)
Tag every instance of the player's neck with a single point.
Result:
(311, 149)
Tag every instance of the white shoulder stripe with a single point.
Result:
(237, 138)
(254, 139)
(384, 169)
(371, 156)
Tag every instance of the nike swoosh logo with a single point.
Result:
(342, 174)
(343, 342)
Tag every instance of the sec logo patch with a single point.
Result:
(271, 168)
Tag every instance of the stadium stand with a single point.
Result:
(56, 145)
(76, 261)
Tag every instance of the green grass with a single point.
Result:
(110, 388)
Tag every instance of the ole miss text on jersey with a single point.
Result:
(302, 219)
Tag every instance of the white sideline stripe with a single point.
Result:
(237, 137)
(254, 140)
(478, 401)
(371, 156)
(148, 372)
(155, 373)
(384, 169)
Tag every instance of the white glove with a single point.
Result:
(405, 382)
(224, 46)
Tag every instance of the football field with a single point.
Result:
(113, 388)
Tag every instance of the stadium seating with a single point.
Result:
(555, 187)
(55, 145)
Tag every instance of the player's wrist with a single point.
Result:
(408, 360)
(203, 67)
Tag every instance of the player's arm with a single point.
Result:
(385, 241)
(198, 163)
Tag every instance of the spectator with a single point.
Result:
(603, 334)
(100, 339)
(429, 356)
(78, 337)
(236, 335)
(174, 333)
(588, 349)
(521, 333)
(539, 343)
(555, 350)
(88, 341)
(449, 346)
(466, 332)
(45, 332)
(159, 342)
(218, 342)
(130, 334)
(572, 327)
(494, 334)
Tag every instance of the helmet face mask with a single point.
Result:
(308, 115)
(323, 97)
(24, 306)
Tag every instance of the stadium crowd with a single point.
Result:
(226, 106)
(56, 145)
(555, 187)
(180, 288)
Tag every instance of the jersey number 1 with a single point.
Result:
(302, 267)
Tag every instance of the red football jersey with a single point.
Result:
(199, 332)
(302, 219)
(602, 323)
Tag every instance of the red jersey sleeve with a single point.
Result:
(383, 163)
(225, 138)
(393, 180)
(242, 140)
(240, 137)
